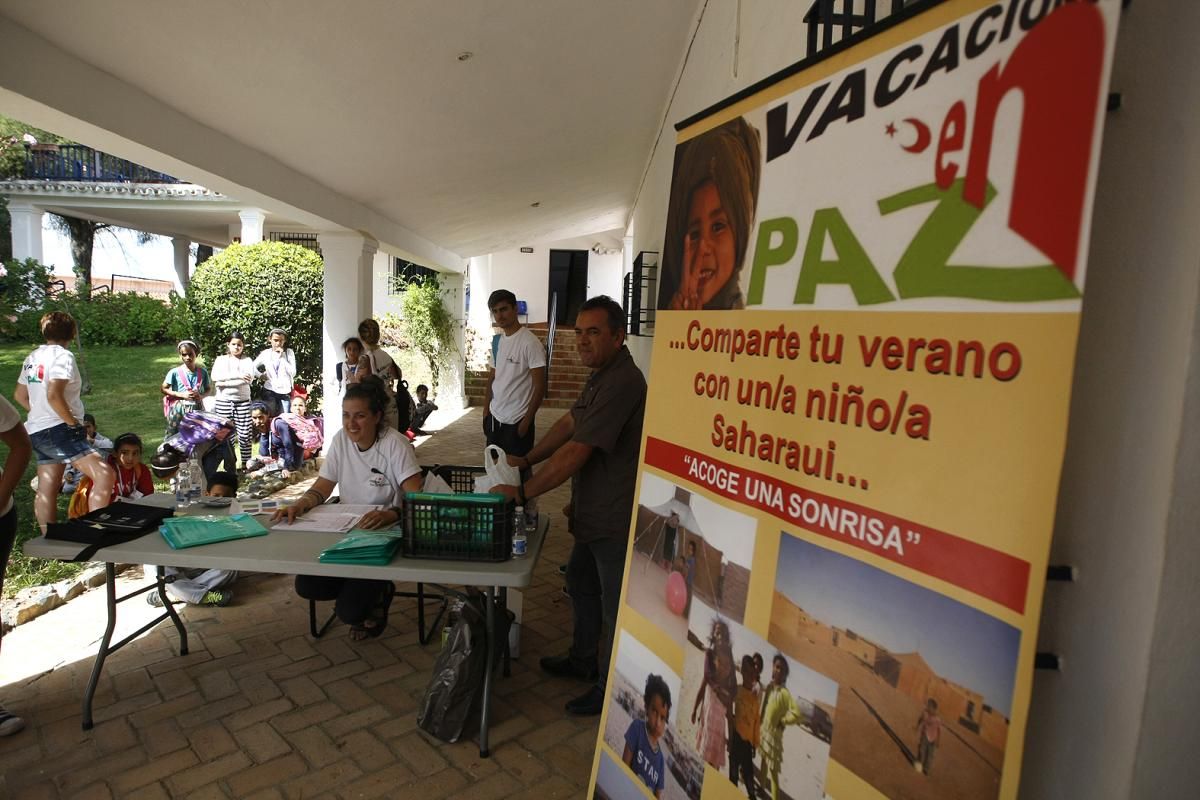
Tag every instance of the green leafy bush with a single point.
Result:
(255, 288)
(428, 325)
(22, 291)
(120, 319)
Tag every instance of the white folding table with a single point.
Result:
(292, 553)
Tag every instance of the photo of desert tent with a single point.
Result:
(669, 520)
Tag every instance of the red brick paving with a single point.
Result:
(260, 710)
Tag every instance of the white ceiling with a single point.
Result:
(560, 103)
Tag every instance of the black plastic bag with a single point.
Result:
(456, 686)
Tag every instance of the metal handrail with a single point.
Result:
(77, 162)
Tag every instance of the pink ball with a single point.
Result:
(676, 593)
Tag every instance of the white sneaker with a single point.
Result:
(9, 723)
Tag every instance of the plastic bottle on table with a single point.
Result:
(519, 542)
(195, 475)
(183, 482)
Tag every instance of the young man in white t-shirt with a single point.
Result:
(516, 379)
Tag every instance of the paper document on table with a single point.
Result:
(328, 523)
(336, 518)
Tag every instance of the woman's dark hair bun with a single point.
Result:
(371, 389)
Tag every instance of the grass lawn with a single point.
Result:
(126, 396)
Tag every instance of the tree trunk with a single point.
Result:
(83, 235)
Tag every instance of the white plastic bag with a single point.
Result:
(499, 470)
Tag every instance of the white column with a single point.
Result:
(26, 230)
(182, 246)
(452, 379)
(252, 225)
(379, 301)
(478, 316)
(348, 273)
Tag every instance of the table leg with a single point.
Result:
(170, 609)
(106, 645)
(507, 649)
(110, 594)
(425, 634)
(486, 713)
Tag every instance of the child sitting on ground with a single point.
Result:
(198, 586)
(295, 436)
(642, 737)
(206, 436)
(424, 408)
(132, 481)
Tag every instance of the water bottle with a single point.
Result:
(519, 542)
(183, 482)
(195, 475)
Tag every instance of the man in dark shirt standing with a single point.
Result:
(596, 446)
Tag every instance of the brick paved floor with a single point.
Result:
(258, 709)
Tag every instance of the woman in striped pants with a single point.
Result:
(232, 375)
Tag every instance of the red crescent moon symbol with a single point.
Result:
(923, 136)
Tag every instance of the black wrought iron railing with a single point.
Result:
(640, 294)
(831, 21)
(75, 162)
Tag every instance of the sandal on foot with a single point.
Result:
(375, 623)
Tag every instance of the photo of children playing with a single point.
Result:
(687, 550)
(757, 716)
(926, 682)
(640, 723)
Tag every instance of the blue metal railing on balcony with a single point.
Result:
(75, 162)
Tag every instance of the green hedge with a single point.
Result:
(120, 319)
(255, 288)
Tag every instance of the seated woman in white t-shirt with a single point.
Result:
(372, 464)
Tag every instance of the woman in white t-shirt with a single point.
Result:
(376, 361)
(19, 450)
(373, 465)
(49, 389)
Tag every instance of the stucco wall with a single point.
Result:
(527, 274)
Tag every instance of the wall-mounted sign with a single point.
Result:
(526, 249)
(871, 282)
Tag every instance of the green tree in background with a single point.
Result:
(82, 232)
(12, 165)
(428, 325)
(254, 288)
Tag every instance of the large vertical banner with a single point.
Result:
(871, 283)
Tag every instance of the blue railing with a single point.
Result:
(75, 162)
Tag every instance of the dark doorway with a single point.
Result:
(568, 279)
